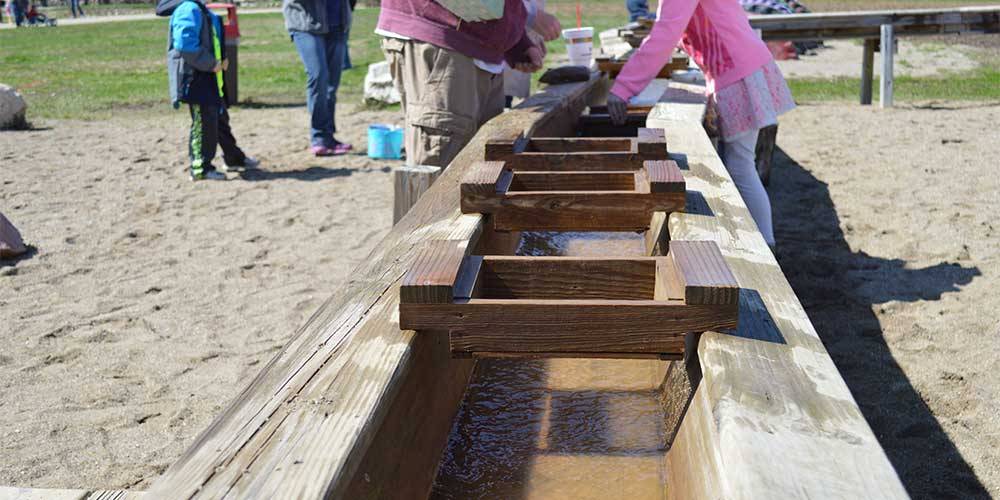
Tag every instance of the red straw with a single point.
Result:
(579, 21)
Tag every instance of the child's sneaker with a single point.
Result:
(249, 163)
(209, 175)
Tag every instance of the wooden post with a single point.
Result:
(867, 67)
(885, 84)
(411, 181)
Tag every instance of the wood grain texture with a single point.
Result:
(664, 177)
(581, 144)
(434, 272)
(600, 326)
(762, 401)
(581, 210)
(322, 417)
(906, 22)
(569, 278)
(572, 181)
(703, 273)
(652, 144)
(409, 183)
(589, 160)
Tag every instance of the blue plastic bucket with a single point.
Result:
(385, 142)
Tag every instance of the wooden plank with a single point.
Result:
(572, 181)
(410, 182)
(652, 144)
(580, 210)
(665, 177)
(512, 277)
(867, 70)
(910, 22)
(580, 144)
(886, 79)
(535, 325)
(582, 161)
(703, 273)
(18, 493)
(740, 423)
(286, 436)
(434, 272)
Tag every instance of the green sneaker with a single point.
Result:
(210, 175)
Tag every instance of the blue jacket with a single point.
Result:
(192, 53)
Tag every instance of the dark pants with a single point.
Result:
(209, 130)
(324, 57)
(74, 8)
(637, 9)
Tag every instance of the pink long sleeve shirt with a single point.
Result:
(716, 33)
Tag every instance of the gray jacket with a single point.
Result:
(189, 71)
(309, 16)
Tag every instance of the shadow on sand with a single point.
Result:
(309, 174)
(839, 287)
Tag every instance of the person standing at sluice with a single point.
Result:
(743, 83)
(449, 72)
(319, 30)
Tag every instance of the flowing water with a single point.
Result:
(559, 428)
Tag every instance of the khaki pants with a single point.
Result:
(445, 98)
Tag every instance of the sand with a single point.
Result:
(886, 228)
(152, 301)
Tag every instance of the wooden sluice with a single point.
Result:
(356, 407)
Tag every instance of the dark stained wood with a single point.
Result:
(580, 144)
(572, 181)
(568, 278)
(704, 273)
(907, 22)
(665, 177)
(652, 143)
(434, 272)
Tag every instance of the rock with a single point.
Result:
(379, 88)
(11, 244)
(12, 108)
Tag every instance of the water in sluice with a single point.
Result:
(559, 428)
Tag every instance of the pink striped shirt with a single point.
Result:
(715, 33)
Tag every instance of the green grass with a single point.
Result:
(95, 71)
(91, 71)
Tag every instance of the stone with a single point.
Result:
(12, 108)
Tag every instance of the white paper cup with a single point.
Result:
(579, 45)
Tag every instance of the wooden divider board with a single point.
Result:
(572, 201)
(579, 154)
(771, 417)
(569, 306)
(352, 406)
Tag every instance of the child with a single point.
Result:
(195, 62)
(744, 83)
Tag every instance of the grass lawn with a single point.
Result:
(97, 70)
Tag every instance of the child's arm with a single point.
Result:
(672, 19)
(185, 28)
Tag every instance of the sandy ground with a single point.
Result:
(886, 228)
(153, 300)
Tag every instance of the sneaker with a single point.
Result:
(209, 175)
(342, 148)
(322, 151)
(249, 163)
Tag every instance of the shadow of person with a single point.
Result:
(838, 288)
(29, 252)
(313, 173)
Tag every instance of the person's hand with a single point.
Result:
(536, 56)
(217, 68)
(617, 109)
(225, 65)
(547, 25)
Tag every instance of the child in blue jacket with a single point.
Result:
(195, 62)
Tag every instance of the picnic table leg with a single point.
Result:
(885, 83)
(867, 66)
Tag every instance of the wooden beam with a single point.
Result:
(410, 182)
(908, 22)
(867, 70)
(517, 203)
(703, 273)
(769, 392)
(352, 406)
(886, 80)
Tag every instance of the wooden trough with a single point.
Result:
(356, 407)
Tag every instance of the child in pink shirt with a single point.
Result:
(743, 81)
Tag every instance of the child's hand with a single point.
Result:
(217, 68)
(617, 109)
(225, 65)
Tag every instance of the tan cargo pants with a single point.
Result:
(445, 98)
